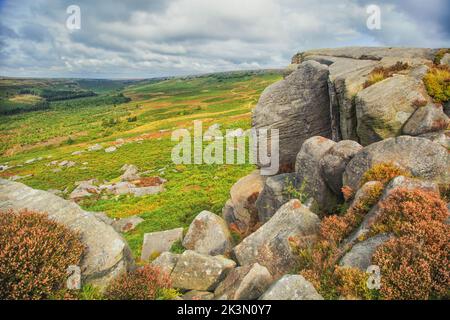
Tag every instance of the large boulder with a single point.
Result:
(240, 209)
(208, 234)
(430, 118)
(383, 108)
(360, 256)
(244, 283)
(195, 271)
(291, 287)
(269, 245)
(275, 194)
(159, 242)
(107, 254)
(298, 107)
(308, 169)
(423, 158)
(335, 161)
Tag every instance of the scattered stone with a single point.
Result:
(95, 147)
(30, 161)
(84, 189)
(195, 271)
(291, 287)
(334, 162)
(235, 133)
(158, 242)
(269, 245)
(127, 224)
(111, 149)
(4, 167)
(445, 59)
(360, 256)
(166, 261)
(67, 164)
(430, 118)
(274, 194)
(244, 283)
(130, 173)
(208, 234)
(77, 153)
(308, 169)
(423, 158)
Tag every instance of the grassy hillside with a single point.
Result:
(145, 122)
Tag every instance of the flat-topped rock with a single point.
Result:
(159, 242)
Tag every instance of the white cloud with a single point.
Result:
(152, 38)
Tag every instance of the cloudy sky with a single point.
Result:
(148, 38)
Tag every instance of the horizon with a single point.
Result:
(141, 40)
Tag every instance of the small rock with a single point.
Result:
(244, 283)
(158, 242)
(95, 147)
(195, 271)
(166, 261)
(208, 234)
(198, 295)
(127, 224)
(77, 153)
(291, 287)
(430, 118)
(110, 149)
(130, 173)
(84, 189)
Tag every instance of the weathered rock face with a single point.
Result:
(430, 118)
(269, 245)
(275, 194)
(334, 162)
(291, 287)
(383, 108)
(195, 271)
(360, 256)
(244, 283)
(423, 158)
(158, 242)
(298, 107)
(442, 138)
(240, 209)
(309, 171)
(208, 234)
(107, 256)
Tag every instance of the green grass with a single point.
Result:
(157, 105)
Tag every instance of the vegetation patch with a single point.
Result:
(35, 253)
(380, 73)
(383, 172)
(437, 82)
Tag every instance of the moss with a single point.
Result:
(437, 83)
(177, 247)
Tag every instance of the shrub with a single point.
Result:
(383, 172)
(380, 73)
(145, 283)
(132, 119)
(415, 264)
(437, 83)
(35, 253)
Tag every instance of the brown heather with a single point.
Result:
(34, 255)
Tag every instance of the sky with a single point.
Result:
(152, 38)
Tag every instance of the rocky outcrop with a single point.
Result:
(383, 108)
(106, 256)
(291, 287)
(244, 283)
(166, 261)
(423, 158)
(298, 107)
(334, 162)
(208, 234)
(195, 271)
(276, 192)
(269, 245)
(309, 172)
(160, 241)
